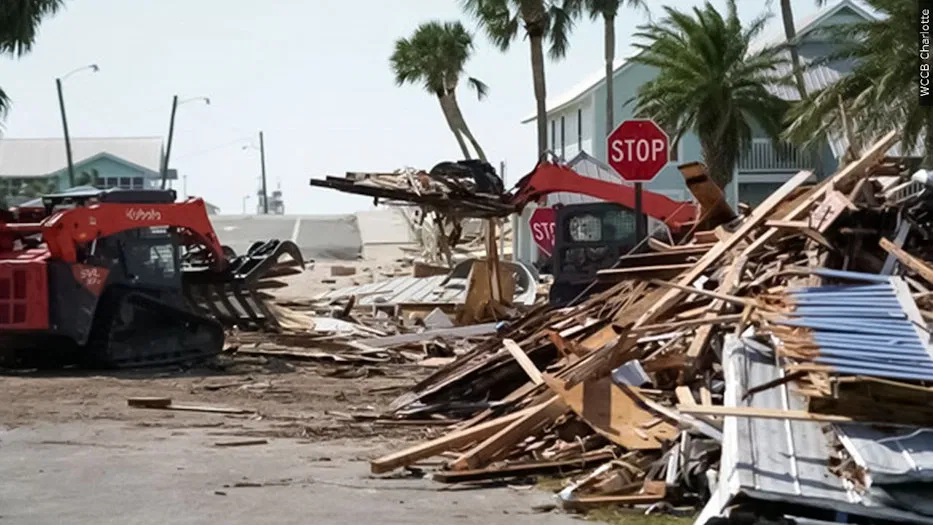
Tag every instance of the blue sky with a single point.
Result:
(312, 74)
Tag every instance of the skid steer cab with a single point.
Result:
(592, 236)
(130, 278)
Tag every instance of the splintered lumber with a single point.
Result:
(758, 216)
(909, 261)
(525, 469)
(529, 423)
(728, 286)
(164, 403)
(452, 441)
(841, 181)
(662, 271)
(523, 360)
(615, 413)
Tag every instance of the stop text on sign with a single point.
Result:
(638, 150)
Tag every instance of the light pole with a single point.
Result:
(61, 107)
(245, 198)
(171, 131)
(262, 162)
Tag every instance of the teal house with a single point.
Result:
(576, 119)
(30, 167)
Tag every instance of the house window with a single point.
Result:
(112, 182)
(137, 183)
(125, 183)
(563, 135)
(580, 129)
(553, 136)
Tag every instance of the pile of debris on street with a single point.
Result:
(779, 365)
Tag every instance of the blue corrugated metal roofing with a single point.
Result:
(864, 329)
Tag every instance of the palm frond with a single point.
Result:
(709, 82)
(19, 23)
(482, 90)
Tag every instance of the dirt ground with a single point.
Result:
(74, 452)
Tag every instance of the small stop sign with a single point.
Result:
(542, 223)
(638, 150)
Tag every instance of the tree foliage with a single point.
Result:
(881, 93)
(711, 82)
(19, 26)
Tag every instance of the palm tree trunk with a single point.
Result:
(927, 162)
(461, 124)
(537, 71)
(609, 36)
(717, 161)
(444, 100)
(787, 14)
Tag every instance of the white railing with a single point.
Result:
(764, 157)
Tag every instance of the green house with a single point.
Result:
(31, 167)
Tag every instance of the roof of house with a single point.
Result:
(772, 36)
(42, 157)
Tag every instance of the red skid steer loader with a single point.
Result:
(129, 278)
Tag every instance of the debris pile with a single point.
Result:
(727, 373)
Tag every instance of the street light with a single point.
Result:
(171, 131)
(61, 106)
(262, 160)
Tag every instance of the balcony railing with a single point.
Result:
(764, 157)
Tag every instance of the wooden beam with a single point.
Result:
(523, 361)
(524, 469)
(451, 441)
(530, 421)
(758, 216)
(916, 265)
(848, 176)
(728, 285)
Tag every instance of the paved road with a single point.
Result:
(108, 472)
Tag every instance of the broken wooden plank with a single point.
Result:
(525, 469)
(760, 213)
(455, 332)
(614, 412)
(523, 361)
(241, 443)
(916, 265)
(452, 441)
(164, 403)
(517, 430)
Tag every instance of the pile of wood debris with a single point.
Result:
(628, 391)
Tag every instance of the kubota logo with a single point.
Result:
(139, 214)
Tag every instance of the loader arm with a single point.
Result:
(64, 231)
(549, 178)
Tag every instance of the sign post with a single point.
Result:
(638, 150)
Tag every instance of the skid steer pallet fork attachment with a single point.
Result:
(235, 297)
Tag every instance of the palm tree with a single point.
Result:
(435, 56)
(541, 19)
(607, 10)
(709, 82)
(19, 24)
(882, 88)
(790, 34)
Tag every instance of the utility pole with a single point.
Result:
(61, 106)
(168, 148)
(262, 160)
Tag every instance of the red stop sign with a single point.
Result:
(542, 225)
(638, 150)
